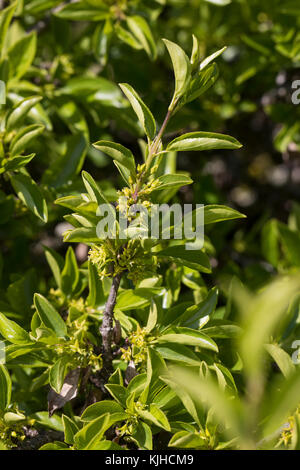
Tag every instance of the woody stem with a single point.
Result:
(107, 325)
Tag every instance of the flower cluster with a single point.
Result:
(132, 257)
(138, 349)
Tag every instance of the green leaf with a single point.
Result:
(13, 332)
(211, 58)
(142, 436)
(152, 318)
(21, 55)
(55, 446)
(172, 181)
(281, 402)
(200, 83)
(187, 440)
(127, 37)
(182, 69)
(56, 263)
(91, 433)
(282, 359)
(118, 392)
(270, 242)
(291, 243)
(194, 315)
(193, 259)
(189, 337)
(96, 294)
(58, 373)
(185, 398)
(119, 153)
(5, 18)
(137, 298)
(218, 213)
(53, 422)
(140, 28)
(69, 112)
(69, 163)
(70, 273)
(5, 388)
(49, 316)
(94, 89)
(20, 111)
(29, 193)
(156, 416)
(81, 235)
(93, 189)
(24, 137)
(260, 314)
(14, 163)
(178, 353)
(70, 429)
(100, 408)
(82, 11)
(142, 111)
(203, 141)
(222, 329)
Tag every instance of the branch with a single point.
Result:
(107, 327)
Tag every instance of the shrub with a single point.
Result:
(133, 340)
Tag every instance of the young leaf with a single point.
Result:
(211, 58)
(172, 181)
(119, 153)
(203, 141)
(200, 83)
(182, 69)
(218, 213)
(142, 111)
(49, 316)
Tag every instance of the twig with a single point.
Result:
(107, 327)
